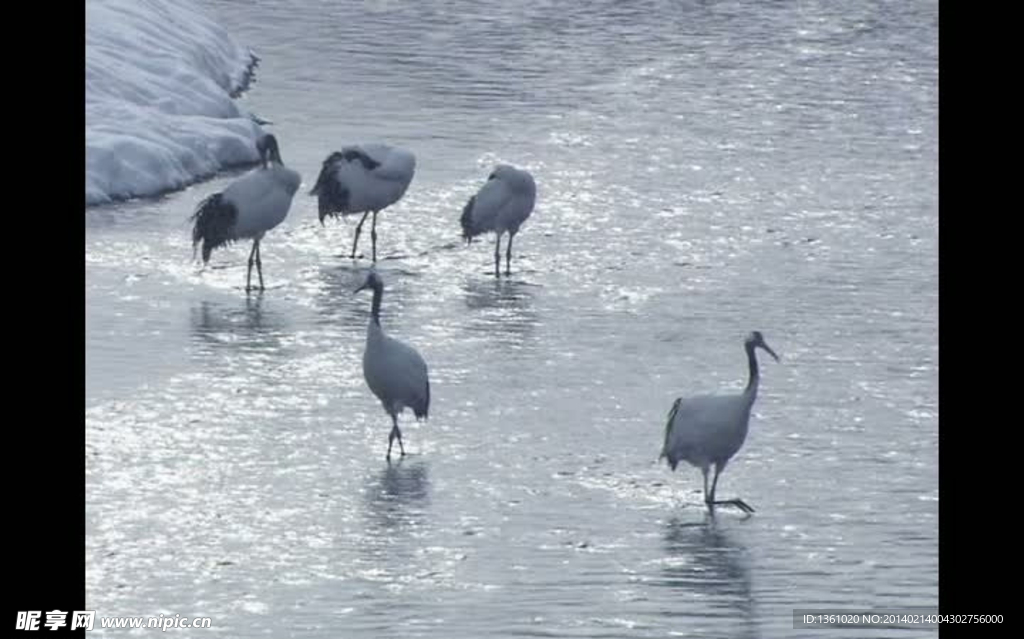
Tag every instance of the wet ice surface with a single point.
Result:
(702, 174)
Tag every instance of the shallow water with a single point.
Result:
(704, 169)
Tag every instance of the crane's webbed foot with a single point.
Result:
(739, 503)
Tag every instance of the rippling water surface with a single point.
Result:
(704, 169)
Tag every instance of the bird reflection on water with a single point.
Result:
(249, 325)
(502, 306)
(709, 563)
(396, 497)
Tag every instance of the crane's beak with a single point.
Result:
(364, 286)
(769, 350)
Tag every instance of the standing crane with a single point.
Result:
(708, 430)
(250, 206)
(501, 205)
(363, 178)
(394, 371)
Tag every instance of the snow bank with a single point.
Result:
(160, 78)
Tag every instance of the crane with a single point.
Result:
(708, 430)
(250, 206)
(394, 371)
(363, 178)
(501, 205)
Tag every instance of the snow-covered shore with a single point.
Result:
(160, 83)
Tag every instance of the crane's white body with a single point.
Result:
(395, 372)
(377, 188)
(503, 203)
(708, 429)
(262, 198)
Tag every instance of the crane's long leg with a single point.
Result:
(259, 265)
(395, 432)
(704, 471)
(497, 255)
(712, 502)
(359, 229)
(248, 273)
(508, 255)
(373, 235)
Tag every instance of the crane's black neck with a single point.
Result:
(270, 153)
(755, 374)
(378, 293)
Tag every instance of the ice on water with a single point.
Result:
(159, 112)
